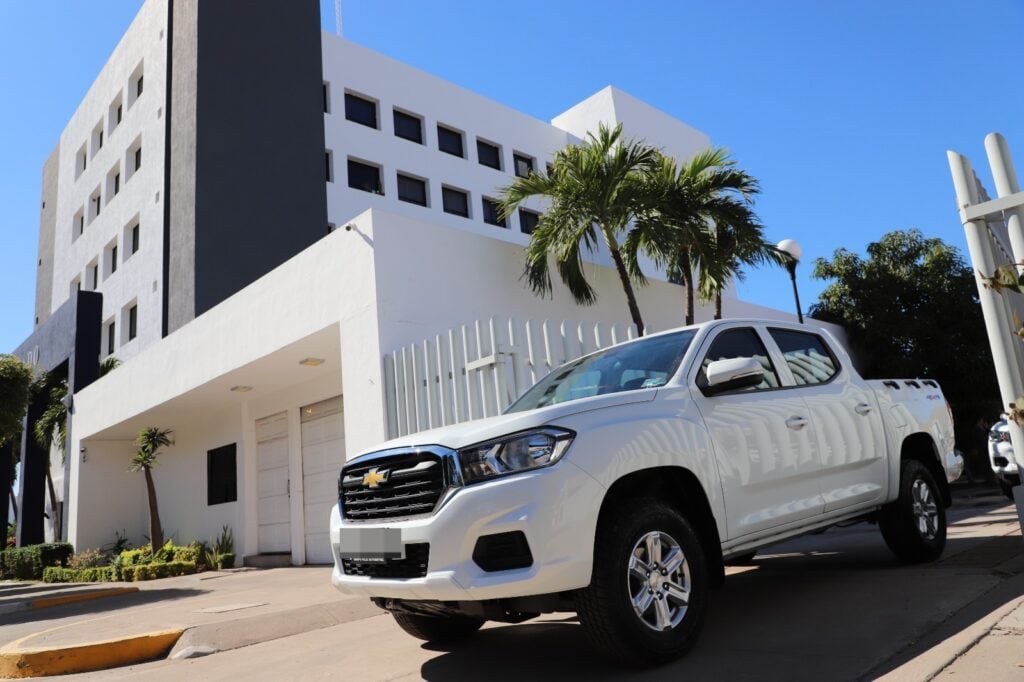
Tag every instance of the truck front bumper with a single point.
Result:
(556, 508)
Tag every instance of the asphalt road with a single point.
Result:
(832, 606)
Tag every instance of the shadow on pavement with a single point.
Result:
(103, 605)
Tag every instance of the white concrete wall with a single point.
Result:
(142, 49)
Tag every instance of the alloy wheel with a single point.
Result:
(926, 511)
(659, 581)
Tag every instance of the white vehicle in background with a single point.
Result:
(1000, 456)
(620, 484)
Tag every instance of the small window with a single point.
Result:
(807, 355)
(133, 322)
(111, 331)
(455, 201)
(327, 98)
(523, 165)
(81, 160)
(488, 154)
(364, 177)
(221, 475)
(138, 87)
(329, 170)
(117, 183)
(113, 259)
(412, 190)
(96, 140)
(95, 204)
(94, 276)
(135, 83)
(78, 224)
(135, 238)
(492, 213)
(528, 221)
(114, 114)
(740, 343)
(138, 158)
(360, 110)
(408, 127)
(450, 141)
(76, 285)
(119, 111)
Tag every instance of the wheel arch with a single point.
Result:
(921, 447)
(680, 488)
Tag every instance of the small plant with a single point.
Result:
(222, 553)
(120, 544)
(89, 558)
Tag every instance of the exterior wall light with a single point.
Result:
(311, 362)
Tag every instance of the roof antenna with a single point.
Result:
(337, 17)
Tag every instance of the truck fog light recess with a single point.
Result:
(514, 453)
(502, 551)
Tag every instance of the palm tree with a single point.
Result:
(684, 205)
(733, 246)
(50, 431)
(596, 190)
(149, 441)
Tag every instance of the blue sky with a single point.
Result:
(843, 110)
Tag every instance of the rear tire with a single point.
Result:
(439, 629)
(914, 525)
(649, 588)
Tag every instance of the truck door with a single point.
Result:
(844, 416)
(763, 442)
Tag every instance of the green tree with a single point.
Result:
(911, 310)
(15, 382)
(149, 441)
(596, 189)
(50, 430)
(698, 218)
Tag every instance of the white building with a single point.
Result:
(252, 299)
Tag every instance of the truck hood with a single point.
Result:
(458, 436)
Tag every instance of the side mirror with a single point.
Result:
(733, 374)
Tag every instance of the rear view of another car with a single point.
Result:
(1000, 455)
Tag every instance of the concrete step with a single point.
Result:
(267, 561)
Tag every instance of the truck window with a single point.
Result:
(808, 357)
(740, 343)
(647, 363)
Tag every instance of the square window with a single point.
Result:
(408, 127)
(360, 110)
(523, 165)
(488, 154)
(412, 190)
(221, 475)
(455, 201)
(528, 221)
(492, 214)
(450, 141)
(364, 177)
(133, 322)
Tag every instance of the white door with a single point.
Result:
(273, 515)
(323, 454)
(763, 442)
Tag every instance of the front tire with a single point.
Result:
(438, 629)
(914, 525)
(649, 588)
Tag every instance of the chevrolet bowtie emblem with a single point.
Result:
(373, 478)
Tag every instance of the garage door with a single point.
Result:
(273, 513)
(323, 453)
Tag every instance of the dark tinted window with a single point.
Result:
(110, 338)
(647, 363)
(523, 165)
(807, 356)
(364, 177)
(740, 343)
(412, 190)
(488, 154)
(360, 110)
(492, 216)
(450, 141)
(408, 127)
(455, 201)
(133, 322)
(221, 475)
(528, 220)
(135, 239)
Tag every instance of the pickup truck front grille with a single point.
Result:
(408, 484)
(414, 565)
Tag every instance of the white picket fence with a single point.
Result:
(478, 370)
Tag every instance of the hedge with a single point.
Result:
(97, 574)
(155, 571)
(27, 563)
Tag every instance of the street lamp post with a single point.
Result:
(792, 250)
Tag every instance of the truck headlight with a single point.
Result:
(511, 454)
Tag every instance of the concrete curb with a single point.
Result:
(62, 599)
(16, 662)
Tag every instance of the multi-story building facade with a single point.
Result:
(250, 214)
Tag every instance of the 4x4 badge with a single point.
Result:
(373, 478)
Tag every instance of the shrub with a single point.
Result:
(136, 557)
(27, 563)
(89, 558)
(192, 552)
(155, 571)
(95, 574)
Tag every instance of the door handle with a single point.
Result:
(862, 409)
(796, 423)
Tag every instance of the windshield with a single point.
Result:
(647, 363)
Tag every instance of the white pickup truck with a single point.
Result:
(621, 483)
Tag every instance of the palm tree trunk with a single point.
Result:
(55, 516)
(686, 268)
(627, 285)
(718, 305)
(156, 533)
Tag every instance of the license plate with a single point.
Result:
(369, 544)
